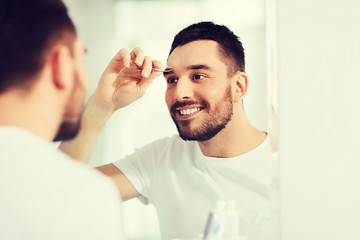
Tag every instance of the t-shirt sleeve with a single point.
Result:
(134, 169)
(141, 166)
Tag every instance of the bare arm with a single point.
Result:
(93, 120)
(125, 187)
(119, 86)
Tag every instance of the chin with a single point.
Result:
(198, 134)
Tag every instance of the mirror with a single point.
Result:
(106, 26)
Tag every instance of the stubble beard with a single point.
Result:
(214, 121)
(67, 131)
(71, 123)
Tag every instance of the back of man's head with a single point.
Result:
(28, 30)
(230, 45)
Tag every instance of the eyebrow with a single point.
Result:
(198, 66)
(191, 67)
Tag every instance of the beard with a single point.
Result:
(67, 130)
(71, 122)
(213, 122)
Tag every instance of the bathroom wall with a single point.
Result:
(318, 54)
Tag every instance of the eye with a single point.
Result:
(198, 76)
(170, 80)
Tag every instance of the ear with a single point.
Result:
(240, 80)
(61, 65)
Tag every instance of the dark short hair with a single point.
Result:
(28, 30)
(230, 45)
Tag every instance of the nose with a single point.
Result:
(183, 90)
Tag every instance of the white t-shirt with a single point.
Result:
(46, 195)
(184, 186)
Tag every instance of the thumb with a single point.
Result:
(145, 83)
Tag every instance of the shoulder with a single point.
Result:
(168, 141)
(161, 152)
(36, 159)
(165, 144)
(50, 180)
(165, 147)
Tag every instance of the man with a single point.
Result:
(43, 193)
(223, 155)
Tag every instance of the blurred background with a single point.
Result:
(302, 57)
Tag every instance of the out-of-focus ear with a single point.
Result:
(61, 65)
(240, 80)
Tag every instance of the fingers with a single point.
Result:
(147, 67)
(137, 60)
(124, 56)
(119, 61)
(137, 56)
(143, 62)
(124, 59)
(144, 84)
(157, 64)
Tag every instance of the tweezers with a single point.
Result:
(165, 69)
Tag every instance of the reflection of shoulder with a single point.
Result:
(169, 143)
(165, 149)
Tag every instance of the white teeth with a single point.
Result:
(189, 111)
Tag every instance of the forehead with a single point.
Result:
(201, 51)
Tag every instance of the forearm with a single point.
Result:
(94, 118)
(120, 85)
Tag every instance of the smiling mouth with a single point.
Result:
(189, 111)
(186, 110)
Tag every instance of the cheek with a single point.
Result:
(216, 96)
(211, 94)
(84, 78)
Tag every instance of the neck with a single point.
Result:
(237, 138)
(29, 112)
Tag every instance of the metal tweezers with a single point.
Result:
(165, 69)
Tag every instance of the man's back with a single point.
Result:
(46, 195)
